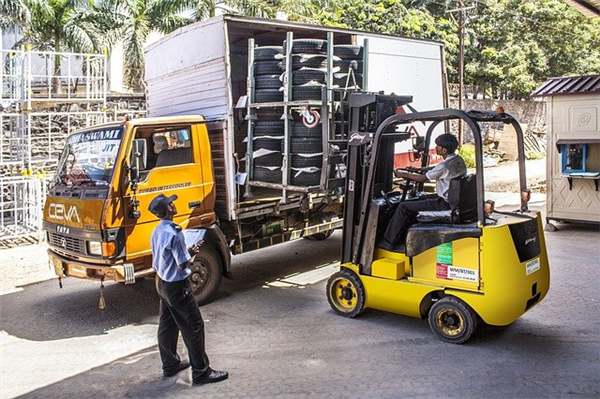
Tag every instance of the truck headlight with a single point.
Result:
(94, 247)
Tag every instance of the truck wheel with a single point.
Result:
(302, 93)
(268, 96)
(306, 145)
(345, 293)
(267, 68)
(348, 51)
(307, 46)
(267, 53)
(320, 236)
(452, 320)
(207, 273)
(267, 82)
(305, 75)
(302, 61)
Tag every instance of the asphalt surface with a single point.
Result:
(274, 331)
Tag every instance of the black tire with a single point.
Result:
(268, 96)
(306, 145)
(267, 82)
(341, 81)
(305, 75)
(348, 51)
(320, 236)
(298, 161)
(267, 52)
(346, 293)
(273, 159)
(267, 68)
(452, 320)
(306, 179)
(266, 128)
(309, 61)
(307, 46)
(266, 175)
(207, 273)
(268, 144)
(297, 129)
(345, 66)
(303, 93)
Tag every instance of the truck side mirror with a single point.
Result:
(418, 144)
(139, 154)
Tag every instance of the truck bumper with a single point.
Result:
(121, 273)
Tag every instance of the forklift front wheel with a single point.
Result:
(452, 320)
(345, 293)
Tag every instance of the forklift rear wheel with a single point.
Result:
(320, 236)
(207, 273)
(452, 320)
(345, 293)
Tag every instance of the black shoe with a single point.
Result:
(184, 364)
(211, 376)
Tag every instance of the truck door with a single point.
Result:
(173, 166)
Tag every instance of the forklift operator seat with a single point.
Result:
(462, 197)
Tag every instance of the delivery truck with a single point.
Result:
(249, 123)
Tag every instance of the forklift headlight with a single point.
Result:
(94, 248)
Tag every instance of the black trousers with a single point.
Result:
(396, 229)
(180, 312)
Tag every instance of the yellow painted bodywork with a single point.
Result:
(499, 295)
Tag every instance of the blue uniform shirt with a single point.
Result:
(169, 251)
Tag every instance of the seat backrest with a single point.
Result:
(462, 197)
(176, 156)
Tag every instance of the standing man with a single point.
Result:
(452, 167)
(179, 310)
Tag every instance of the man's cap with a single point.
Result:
(158, 205)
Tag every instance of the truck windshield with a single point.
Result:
(89, 157)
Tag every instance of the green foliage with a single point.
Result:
(467, 152)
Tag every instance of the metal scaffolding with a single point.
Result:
(44, 96)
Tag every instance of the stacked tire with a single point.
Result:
(306, 153)
(267, 73)
(309, 68)
(268, 142)
(351, 60)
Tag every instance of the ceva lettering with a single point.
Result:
(60, 212)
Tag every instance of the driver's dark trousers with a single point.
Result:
(396, 230)
(180, 312)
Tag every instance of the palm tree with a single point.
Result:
(13, 13)
(62, 25)
(133, 22)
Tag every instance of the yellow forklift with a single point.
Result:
(470, 264)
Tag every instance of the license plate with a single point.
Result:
(77, 268)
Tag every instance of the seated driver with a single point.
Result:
(452, 167)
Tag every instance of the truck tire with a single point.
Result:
(267, 68)
(341, 81)
(267, 82)
(306, 179)
(302, 93)
(306, 162)
(297, 129)
(273, 159)
(266, 175)
(267, 52)
(268, 96)
(348, 51)
(307, 46)
(346, 65)
(302, 61)
(207, 273)
(268, 144)
(306, 145)
(305, 75)
(268, 128)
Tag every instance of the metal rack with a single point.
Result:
(331, 99)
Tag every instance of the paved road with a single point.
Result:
(274, 331)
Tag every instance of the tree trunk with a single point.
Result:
(56, 85)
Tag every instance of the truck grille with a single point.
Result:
(67, 243)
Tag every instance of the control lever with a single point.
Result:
(387, 200)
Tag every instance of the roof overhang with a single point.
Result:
(589, 8)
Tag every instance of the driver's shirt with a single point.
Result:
(452, 167)
(169, 251)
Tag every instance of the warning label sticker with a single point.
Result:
(532, 266)
(461, 273)
(441, 271)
